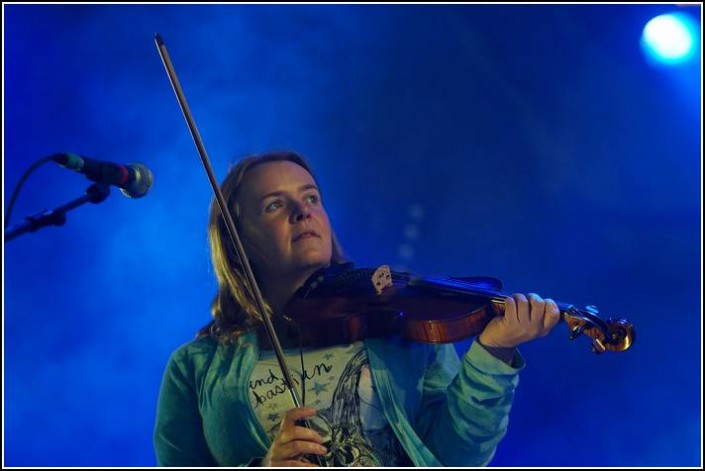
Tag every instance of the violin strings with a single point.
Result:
(472, 288)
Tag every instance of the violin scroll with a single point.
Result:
(615, 335)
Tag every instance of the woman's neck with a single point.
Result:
(278, 291)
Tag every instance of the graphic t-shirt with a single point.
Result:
(337, 383)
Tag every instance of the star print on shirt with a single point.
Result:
(273, 417)
(318, 388)
(328, 356)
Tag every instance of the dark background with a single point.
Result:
(532, 143)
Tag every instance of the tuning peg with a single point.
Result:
(597, 347)
(577, 330)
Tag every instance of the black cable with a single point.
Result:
(303, 373)
(16, 192)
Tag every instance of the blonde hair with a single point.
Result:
(233, 308)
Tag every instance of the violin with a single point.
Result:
(343, 304)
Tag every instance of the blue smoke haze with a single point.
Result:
(532, 143)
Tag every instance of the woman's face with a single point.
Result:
(286, 231)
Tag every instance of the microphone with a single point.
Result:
(134, 180)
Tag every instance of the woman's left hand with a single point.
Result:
(525, 318)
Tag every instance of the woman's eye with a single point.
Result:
(273, 206)
(312, 199)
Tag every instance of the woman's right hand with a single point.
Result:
(293, 442)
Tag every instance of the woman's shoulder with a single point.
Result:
(197, 346)
(194, 352)
(202, 350)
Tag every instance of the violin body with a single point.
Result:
(342, 304)
(333, 318)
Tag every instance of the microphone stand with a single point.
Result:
(95, 193)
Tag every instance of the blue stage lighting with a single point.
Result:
(670, 39)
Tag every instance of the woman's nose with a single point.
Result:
(301, 211)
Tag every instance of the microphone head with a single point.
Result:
(140, 184)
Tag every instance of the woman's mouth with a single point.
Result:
(305, 235)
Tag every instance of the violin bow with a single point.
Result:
(225, 212)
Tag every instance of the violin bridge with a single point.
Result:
(382, 278)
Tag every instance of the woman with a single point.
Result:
(377, 402)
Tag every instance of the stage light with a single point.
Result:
(670, 39)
